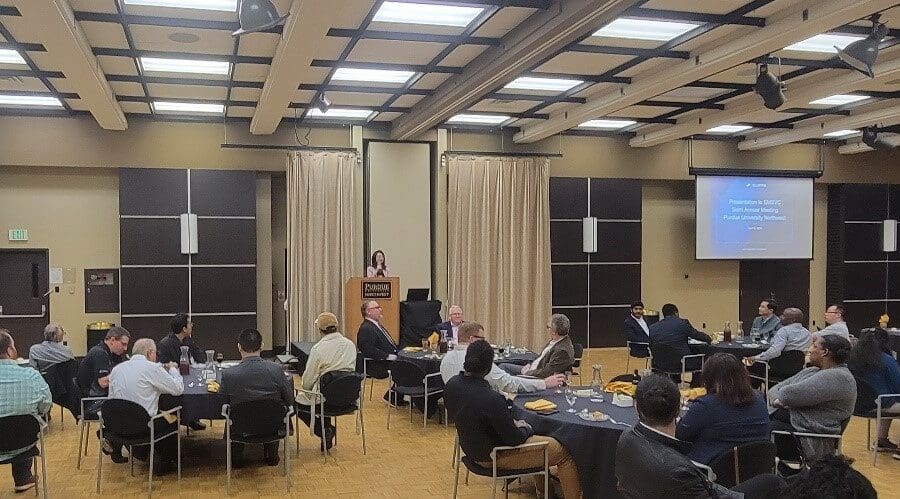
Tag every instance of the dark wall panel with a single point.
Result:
(229, 289)
(606, 327)
(618, 242)
(568, 197)
(616, 198)
(865, 201)
(150, 241)
(565, 242)
(863, 242)
(223, 193)
(895, 202)
(569, 284)
(155, 290)
(152, 191)
(578, 323)
(146, 327)
(225, 241)
(220, 333)
(864, 315)
(615, 284)
(864, 281)
(893, 287)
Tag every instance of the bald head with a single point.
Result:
(791, 315)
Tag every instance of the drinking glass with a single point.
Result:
(425, 344)
(571, 398)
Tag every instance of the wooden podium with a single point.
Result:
(384, 290)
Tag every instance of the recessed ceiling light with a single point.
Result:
(841, 134)
(158, 65)
(548, 84)
(643, 29)
(372, 75)
(422, 13)
(607, 124)
(824, 43)
(479, 119)
(8, 56)
(223, 5)
(359, 114)
(728, 129)
(29, 100)
(839, 100)
(187, 107)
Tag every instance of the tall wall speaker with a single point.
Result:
(188, 233)
(890, 235)
(589, 234)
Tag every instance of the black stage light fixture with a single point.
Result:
(861, 54)
(322, 103)
(769, 88)
(257, 15)
(871, 139)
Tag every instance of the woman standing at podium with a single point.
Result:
(378, 267)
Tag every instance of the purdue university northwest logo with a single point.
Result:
(376, 290)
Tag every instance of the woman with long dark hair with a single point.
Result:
(731, 413)
(378, 267)
(869, 362)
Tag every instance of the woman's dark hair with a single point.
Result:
(867, 354)
(830, 477)
(479, 358)
(837, 346)
(658, 400)
(379, 272)
(726, 376)
(883, 338)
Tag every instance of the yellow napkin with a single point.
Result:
(434, 338)
(412, 349)
(620, 387)
(212, 386)
(540, 405)
(693, 393)
(170, 418)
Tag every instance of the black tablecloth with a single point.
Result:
(197, 402)
(431, 364)
(591, 444)
(736, 348)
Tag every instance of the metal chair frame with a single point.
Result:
(426, 394)
(320, 402)
(39, 442)
(543, 446)
(647, 359)
(84, 437)
(226, 414)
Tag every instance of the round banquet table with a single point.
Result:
(431, 362)
(738, 348)
(197, 402)
(591, 444)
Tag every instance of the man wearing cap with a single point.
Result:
(332, 353)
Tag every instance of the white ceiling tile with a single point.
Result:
(395, 52)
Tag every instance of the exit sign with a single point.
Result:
(18, 234)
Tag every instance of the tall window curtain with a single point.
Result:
(324, 239)
(499, 244)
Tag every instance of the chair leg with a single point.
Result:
(99, 461)
(627, 362)
(178, 458)
(494, 488)
(80, 442)
(425, 414)
(390, 407)
(131, 458)
(456, 480)
(297, 431)
(287, 466)
(43, 469)
(150, 473)
(362, 425)
(877, 432)
(227, 459)
(87, 438)
(324, 440)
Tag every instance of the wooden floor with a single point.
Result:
(405, 462)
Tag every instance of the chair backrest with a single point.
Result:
(124, 417)
(744, 462)
(788, 363)
(257, 417)
(667, 358)
(579, 351)
(342, 389)
(407, 374)
(865, 398)
(638, 349)
(18, 432)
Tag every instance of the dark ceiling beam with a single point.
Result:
(31, 93)
(170, 22)
(535, 98)
(687, 106)
(134, 53)
(582, 77)
(167, 80)
(851, 29)
(364, 90)
(721, 85)
(532, 4)
(28, 47)
(701, 17)
(147, 100)
(27, 73)
(8, 10)
(413, 37)
(833, 63)
(631, 51)
(416, 68)
(816, 112)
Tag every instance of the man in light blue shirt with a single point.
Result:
(791, 336)
(767, 322)
(22, 392)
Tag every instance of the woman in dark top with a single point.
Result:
(730, 414)
(880, 370)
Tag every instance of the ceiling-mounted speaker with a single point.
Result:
(769, 88)
(861, 54)
(323, 104)
(589, 234)
(257, 15)
(870, 138)
(889, 241)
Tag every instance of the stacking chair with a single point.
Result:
(340, 394)
(20, 432)
(744, 462)
(85, 420)
(257, 422)
(638, 350)
(129, 423)
(870, 405)
(780, 368)
(806, 460)
(372, 369)
(60, 378)
(576, 367)
(408, 379)
(505, 475)
(689, 364)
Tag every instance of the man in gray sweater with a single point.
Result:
(818, 399)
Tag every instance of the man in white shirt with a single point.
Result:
(141, 380)
(834, 317)
(332, 353)
(500, 380)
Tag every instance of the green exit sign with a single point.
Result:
(18, 234)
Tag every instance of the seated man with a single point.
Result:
(791, 336)
(141, 380)
(170, 350)
(500, 380)
(818, 399)
(52, 351)
(255, 379)
(767, 322)
(93, 376)
(635, 326)
(22, 392)
(834, 317)
(557, 357)
(332, 353)
(483, 421)
(375, 343)
(669, 340)
(452, 324)
(651, 462)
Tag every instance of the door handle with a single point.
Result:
(33, 316)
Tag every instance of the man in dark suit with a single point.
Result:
(451, 326)
(255, 379)
(635, 326)
(557, 357)
(669, 340)
(374, 342)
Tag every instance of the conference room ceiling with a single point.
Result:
(87, 54)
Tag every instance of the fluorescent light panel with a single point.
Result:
(823, 43)
(607, 124)
(340, 113)
(727, 129)
(29, 100)
(188, 107)
(421, 13)
(8, 56)
(548, 84)
(479, 119)
(372, 75)
(840, 134)
(223, 5)
(158, 65)
(839, 100)
(642, 29)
